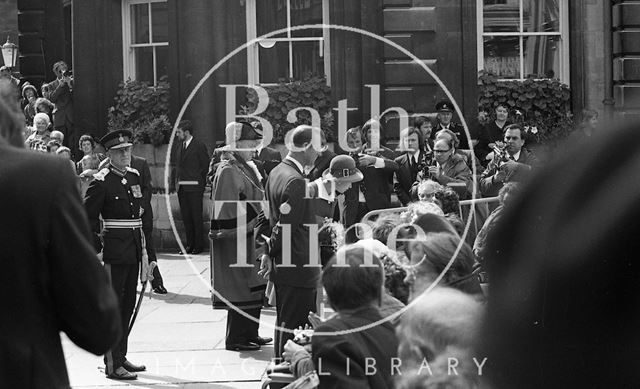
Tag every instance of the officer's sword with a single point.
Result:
(152, 265)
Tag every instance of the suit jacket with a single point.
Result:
(269, 158)
(377, 182)
(321, 164)
(287, 189)
(489, 187)
(62, 97)
(192, 165)
(332, 353)
(405, 177)
(49, 271)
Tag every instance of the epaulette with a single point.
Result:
(132, 170)
(101, 174)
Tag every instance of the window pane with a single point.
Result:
(502, 56)
(307, 60)
(144, 64)
(162, 61)
(501, 15)
(271, 15)
(274, 62)
(140, 23)
(160, 22)
(542, 56)
(541, 16)
(306, 12)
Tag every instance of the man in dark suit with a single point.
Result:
(50, 275)
(60, 93)
(267, 157)
(295, 284)
(115, 194)
(409, 164)
(192, 162)
(514, 165)
(377, 166)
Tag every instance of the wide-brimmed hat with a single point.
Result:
(117, 139)
(343, 168)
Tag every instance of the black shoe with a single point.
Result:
(195, 251)
(187, 250)
(122, 374)
(131, 367)
(244, 346)
(261, 340)
(159, 289)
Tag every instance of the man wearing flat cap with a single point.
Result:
(444, 122)
(116, 195)
(288, 246)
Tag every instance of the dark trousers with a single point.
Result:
(241, 329)
(151, 253)
(292, 309)
(191, 211)
(70, 141)
(124, 280)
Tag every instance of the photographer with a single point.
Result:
(514, 164)
(60, 93)
(377, 167)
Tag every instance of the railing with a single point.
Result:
(479, 206)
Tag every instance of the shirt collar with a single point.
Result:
(298, 164)
(416, 155)
(187, 142)
(516, 156)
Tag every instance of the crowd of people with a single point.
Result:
(406, 285)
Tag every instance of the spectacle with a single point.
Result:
(441, 151)
(511, 137)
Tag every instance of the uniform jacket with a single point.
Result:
(50, 273)
(332, 353)
(192, 165)
(62, 97)
(490, 188)
(113, 196)
(286, 187)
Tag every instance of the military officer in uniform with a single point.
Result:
(116, 195)
(445, 114)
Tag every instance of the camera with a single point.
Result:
(67, 73)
